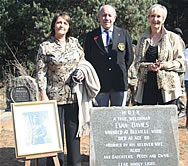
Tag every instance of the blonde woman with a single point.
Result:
(159, 57)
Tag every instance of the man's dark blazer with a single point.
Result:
(112, 69)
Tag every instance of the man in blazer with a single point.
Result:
(109, 49)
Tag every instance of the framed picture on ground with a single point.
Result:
(36, 128)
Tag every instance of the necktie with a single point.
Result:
(107, 40)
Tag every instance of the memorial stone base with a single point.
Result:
(134, 136)
(21, 89)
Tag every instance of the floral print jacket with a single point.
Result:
(170, 54)
(54, 68)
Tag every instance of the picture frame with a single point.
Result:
(36, 128)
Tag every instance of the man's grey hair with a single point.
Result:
(101, 8)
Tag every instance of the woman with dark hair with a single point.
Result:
(57, 61)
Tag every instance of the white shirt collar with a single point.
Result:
(102, 29)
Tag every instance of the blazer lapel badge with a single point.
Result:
(121, 46)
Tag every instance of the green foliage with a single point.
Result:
(26, 23)
(131, 14)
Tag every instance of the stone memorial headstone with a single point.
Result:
(21, 89)
(134, 136)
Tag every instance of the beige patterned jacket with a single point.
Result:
(172, 60)
(54, 68)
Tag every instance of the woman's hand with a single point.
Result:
(80, 75)
(155, 66)
(43, 95)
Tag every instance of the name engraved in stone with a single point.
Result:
(141, 124)
(143, 156)
(134, 150)
(163, 155)
(121, 125)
